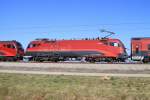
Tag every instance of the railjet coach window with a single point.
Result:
(4, 45)
(10, 46)
(148, 46)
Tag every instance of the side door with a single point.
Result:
(137, 49)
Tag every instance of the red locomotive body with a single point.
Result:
(11, 50)
(91, 50)
(140, 49)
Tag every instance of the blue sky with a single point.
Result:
(25, 20)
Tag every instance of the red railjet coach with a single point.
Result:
(140, 49)
(11, 50)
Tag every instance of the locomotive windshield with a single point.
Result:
(19, 46)
(33, 45)
(115, 44)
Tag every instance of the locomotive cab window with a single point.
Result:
(30, 45)
(115, 44)
(33, 45)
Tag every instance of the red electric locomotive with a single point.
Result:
(140, 49)
(10, 50)
(105, 49)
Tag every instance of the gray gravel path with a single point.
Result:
(85, 69)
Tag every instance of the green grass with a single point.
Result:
(45, 87)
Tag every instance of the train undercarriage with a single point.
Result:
(80, 59)
(11, 58)
(90, 56)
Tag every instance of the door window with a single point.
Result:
(148, 46)
(137, 50)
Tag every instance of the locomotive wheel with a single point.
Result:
(91, 60)
(38, 60)
(55, 60)
(109, 60)
(146, 59)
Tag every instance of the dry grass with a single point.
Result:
(45, 87)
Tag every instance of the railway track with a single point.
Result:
(85, 69)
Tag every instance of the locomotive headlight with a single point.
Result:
(99, 43)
